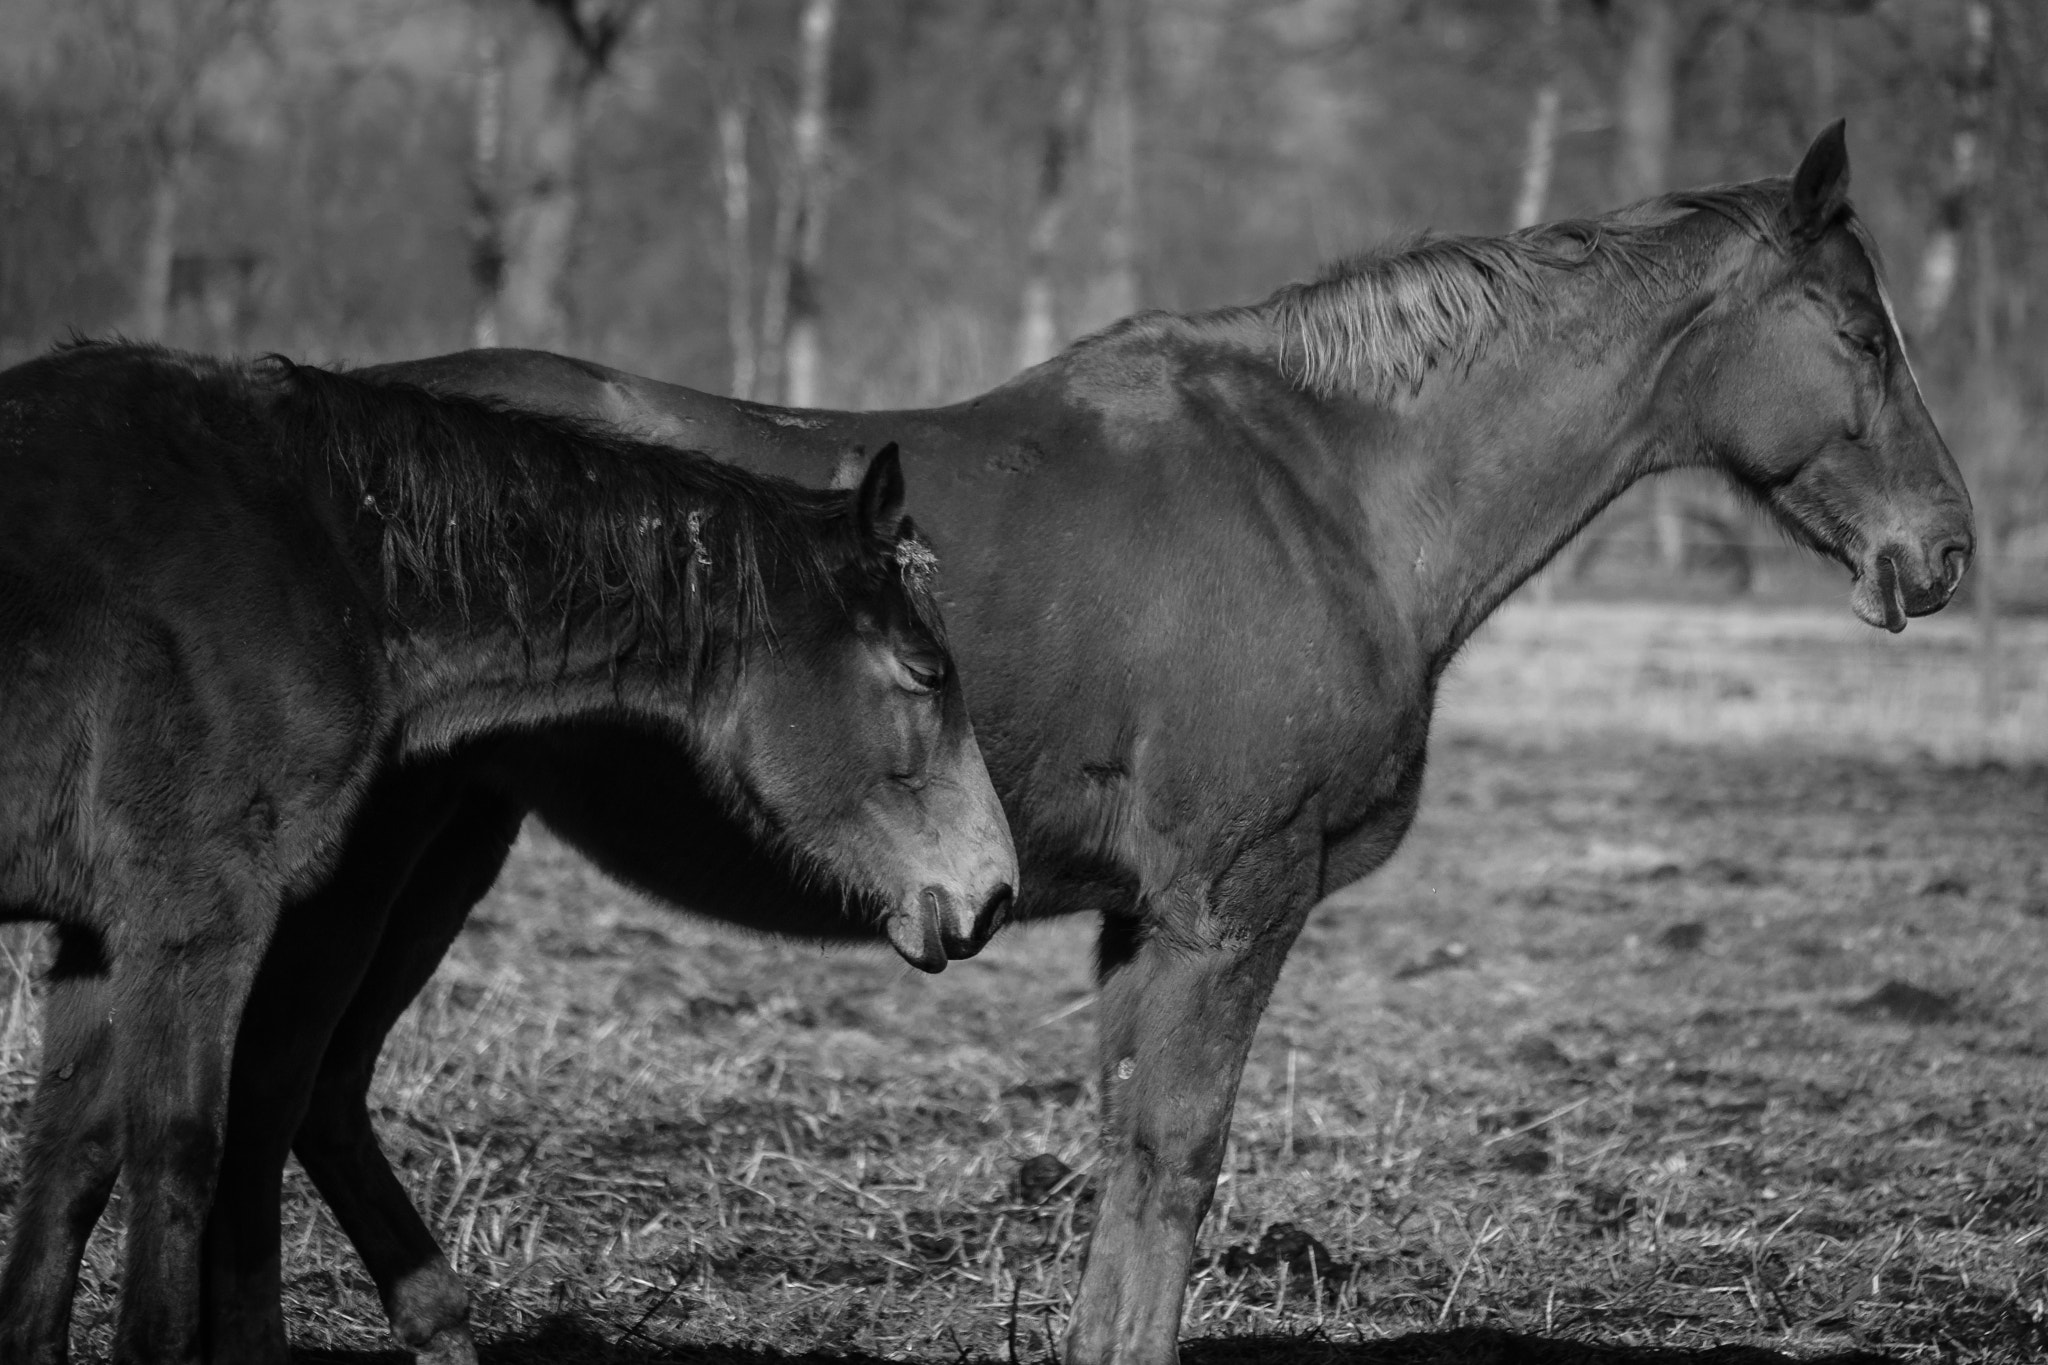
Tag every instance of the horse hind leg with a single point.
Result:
(425, 1300)
(71, 1158)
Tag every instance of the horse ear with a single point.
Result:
(1820, 187)
(880, 499)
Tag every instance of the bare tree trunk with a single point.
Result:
(554, 53)
(545, 89)
(1941, 262)
(160, 243)
(790, 312)
(1038, 334)
(737, 185)
(1114, 293)
(486, 238)
(1826, 69)
(1539, 158)
(1646, 115)
(164, 51)
(1539, 153)
(1983, 344)
(1964, 215)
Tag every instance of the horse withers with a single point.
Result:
(1208, 570)
(258, 626)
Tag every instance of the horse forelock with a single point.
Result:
(917, 567)
(552, 520)
(1380, 321)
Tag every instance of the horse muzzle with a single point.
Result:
(939, 926)
(1900, 581)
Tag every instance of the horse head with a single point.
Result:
(873, 773)
(1801, 391)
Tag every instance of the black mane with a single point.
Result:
(552, 520)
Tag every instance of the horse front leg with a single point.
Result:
(70, 1160)
(179, 984)
(425, 1300)
(1182, 992)
(319, 958)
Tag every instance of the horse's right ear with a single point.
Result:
(1820, 187)
(880, 499)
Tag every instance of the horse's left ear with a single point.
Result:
(880, 499)
(1820, 187)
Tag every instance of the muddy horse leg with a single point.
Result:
(425, 1299)
(70, 1160)
(1181, 998)
(316, 962)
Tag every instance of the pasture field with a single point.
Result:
(1706, 1006)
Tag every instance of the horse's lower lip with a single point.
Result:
(1889, 593)
(1877, 597)
(915, 938)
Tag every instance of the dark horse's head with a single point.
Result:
(1796, 381)
(854, 747)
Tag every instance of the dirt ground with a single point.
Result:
(1660, 1034)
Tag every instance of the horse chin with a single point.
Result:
(915, 937)
(1877, 597)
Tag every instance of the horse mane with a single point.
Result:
(1381, 320)
(556, 521)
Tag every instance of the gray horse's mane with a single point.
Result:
(1378, 322)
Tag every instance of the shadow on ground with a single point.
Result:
(572, 1341)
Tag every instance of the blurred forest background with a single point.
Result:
(886, 202)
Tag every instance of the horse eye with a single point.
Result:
(923, 678)
(1870, 343)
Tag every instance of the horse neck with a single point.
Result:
(545, 604)
(462, 677)
(501, 650)
(1485, 473)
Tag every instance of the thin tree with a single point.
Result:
(1113, 145)
(1539, 159)
(1963, 223)
(1646, 114)
(791, 311)
(486, 218)
(550, 56)
(162, 52)
(732, 84)
(1067, 44)
(1539, 150)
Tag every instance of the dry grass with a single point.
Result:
(1553, 675)
(1688, 1016)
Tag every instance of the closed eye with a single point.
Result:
(920, 676)
(1870, 343)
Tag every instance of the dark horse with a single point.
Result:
(1205, 572)
(269, 635)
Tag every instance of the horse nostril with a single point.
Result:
(1954, 560)
(995, 912)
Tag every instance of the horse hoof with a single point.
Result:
(450, 1346)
